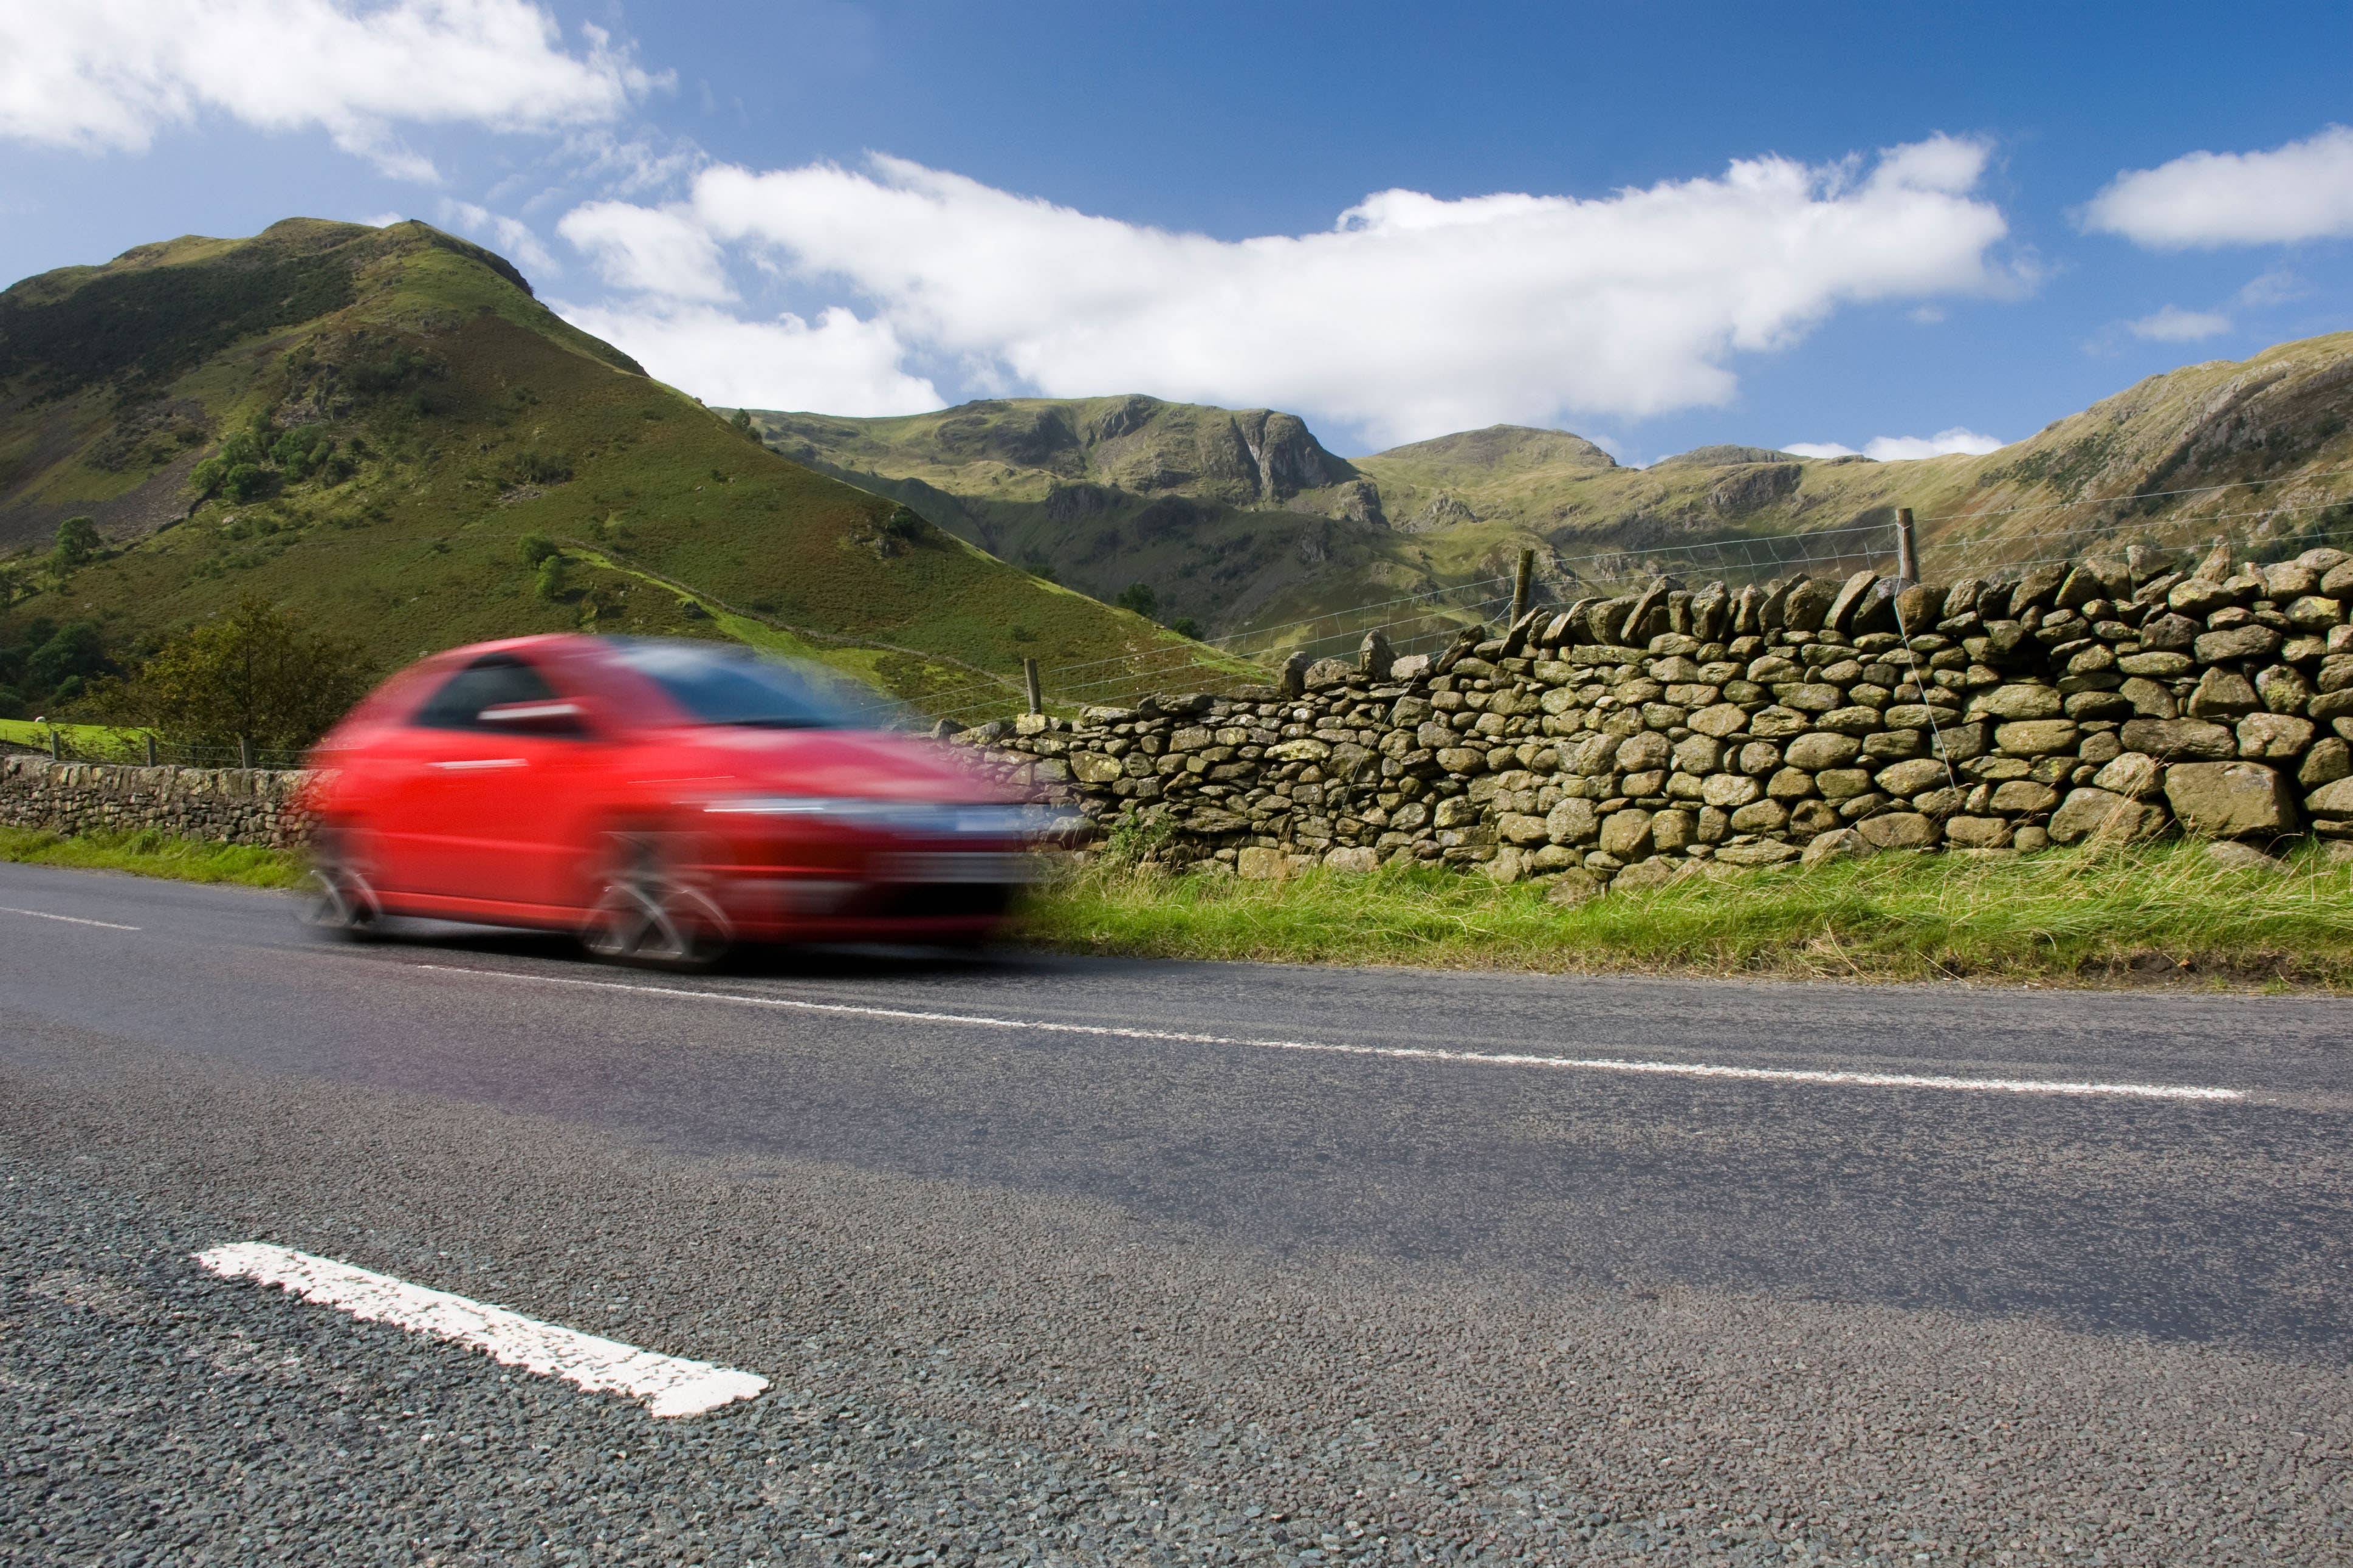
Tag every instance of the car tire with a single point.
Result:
(337, 899)
(648, 915)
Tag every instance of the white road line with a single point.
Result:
(69, 920)
(1403, 1053)
(670, 1385)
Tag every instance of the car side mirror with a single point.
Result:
(564, 719)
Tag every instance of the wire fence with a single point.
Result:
(137, 748)
(1995, 544)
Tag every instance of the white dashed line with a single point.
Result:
(670, 1385)
(69, 920)
(1401, 1053)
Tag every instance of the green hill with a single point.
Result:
(367, 424)
(1107, 491)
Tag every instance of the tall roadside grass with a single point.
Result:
(2087, 915)
(148, 853)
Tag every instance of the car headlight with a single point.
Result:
(915, 817)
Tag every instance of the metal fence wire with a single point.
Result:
(1997, 544)
(84, 744)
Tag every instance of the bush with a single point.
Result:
(535, 548)
(303, 452)
(1139, 597)
(551, 578)
(539, 469)
(77, 543)
(258, 673)
(247, 481)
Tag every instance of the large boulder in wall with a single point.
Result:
(2231, 800)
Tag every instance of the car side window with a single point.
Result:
(486, 682)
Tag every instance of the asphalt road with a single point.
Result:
(1036, 1280)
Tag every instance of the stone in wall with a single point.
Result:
(232, 805)
(2097, 700)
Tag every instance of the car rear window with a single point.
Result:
(728, 686)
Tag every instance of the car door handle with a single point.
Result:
(471, 764)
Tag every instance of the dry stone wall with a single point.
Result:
(1628, 738)
(235, 805)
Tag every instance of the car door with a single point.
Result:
(489, 815)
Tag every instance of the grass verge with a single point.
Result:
(148, 853)
(2152, 913)
(2078, 916)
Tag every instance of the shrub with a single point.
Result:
(539, 469)
(1139, 597)
(257, 672)
(77, 543)
(535, 548)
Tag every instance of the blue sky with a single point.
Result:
(1657, 225)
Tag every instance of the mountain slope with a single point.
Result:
(367, 425)
(1215, 509)
(1022, 476)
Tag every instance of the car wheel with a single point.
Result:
(649, 915)
(336, 898)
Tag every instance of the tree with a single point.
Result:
(1139, 597)
(743, 426)
(77, 543)
(1186, 627)
(535, 548)
(257, 672)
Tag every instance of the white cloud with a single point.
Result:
(839, 364)
(1411, 316)
(511, 236)
(1902, 448)
(2174, 325)
(2301, 191)
(655, 250)
(101, 75)
(2277, 287)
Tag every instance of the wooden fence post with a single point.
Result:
(1030, 682)
(1907, 549)
(57, 745)
(244, 753)
(1520, 587)
(151, 750)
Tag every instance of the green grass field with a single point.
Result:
(87, 740)
(2160, 914)
(154, 854)
(2163, 911)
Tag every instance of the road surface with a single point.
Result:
(1076, 1261)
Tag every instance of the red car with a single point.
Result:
(663, 799)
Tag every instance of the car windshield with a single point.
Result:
(720, 685)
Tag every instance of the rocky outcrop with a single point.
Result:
(2104, 700)
(1754, 486)
(1444, 512)
(1285, 456)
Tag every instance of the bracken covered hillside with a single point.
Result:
(1112, 490)
(367, 424)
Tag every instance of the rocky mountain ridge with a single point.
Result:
(1219, 541)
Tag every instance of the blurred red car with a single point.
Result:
(663, 799)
